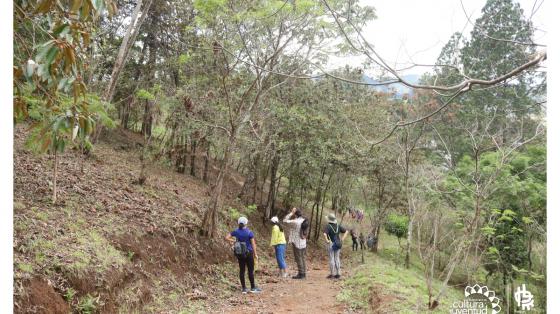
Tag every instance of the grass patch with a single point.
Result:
(96, 253)
(89, 304)
(403, 290)
(77, 252)
(24, 267)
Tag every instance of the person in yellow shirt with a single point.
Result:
(278, 241)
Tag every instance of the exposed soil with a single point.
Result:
(315, 294)
(41, 298)
(379, 302)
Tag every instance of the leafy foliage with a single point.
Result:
(397, 225)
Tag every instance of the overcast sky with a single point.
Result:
(417, 30)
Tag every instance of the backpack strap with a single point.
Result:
(337, 229)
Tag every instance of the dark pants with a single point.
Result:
(361, 245)
(250, 263)
(299, 256)
(354, 244)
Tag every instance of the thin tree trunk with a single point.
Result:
(128, 40)
(148, 119)
(137, 19)
(263, 185)
(193, 158)
(272, 188)
(210, 220)
(256, 179)
(55, 173)
(410, 212)
(206, 163)
(317, 200)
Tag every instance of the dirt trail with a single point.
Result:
(315, 294)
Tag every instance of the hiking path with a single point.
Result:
(315, 294)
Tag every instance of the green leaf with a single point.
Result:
(61, 30)
(488, 230)
(44, 49)
(51, 54)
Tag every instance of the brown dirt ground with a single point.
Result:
(41, 298)
(157, 222)
(315, 294)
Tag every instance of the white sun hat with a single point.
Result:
(274, 219)
(243, 220)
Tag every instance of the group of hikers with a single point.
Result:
(357, 214)
(245, 248)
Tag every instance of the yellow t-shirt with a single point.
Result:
(277, 236)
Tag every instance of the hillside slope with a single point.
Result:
(108, 244)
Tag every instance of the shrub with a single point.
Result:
(397, 225)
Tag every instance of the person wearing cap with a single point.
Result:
(299, 244)
(334, 244)
(243, 234)
(278, 241)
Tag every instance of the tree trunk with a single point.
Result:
(250, 181)
(257, 168)
(206, 162)
(210, 220)
(136, 21)
(127, 105)
(143, 161)
(294, 170)
(317, 200)
(263, 185)
(193, 158)
(272, 188)
(125, 114)
(148, 119)
(181, 163)
(410, 213)
(137, 18)
(55, 173)
(376, 243)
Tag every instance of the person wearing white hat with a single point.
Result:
(245, 249)
(334, 244)
(278, 241)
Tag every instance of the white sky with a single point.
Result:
(418, 30)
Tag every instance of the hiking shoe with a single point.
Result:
(256, 290)
(330, 276)
(245, 290)
(298, 276)
(336, 277)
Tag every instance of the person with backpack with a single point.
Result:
(299, 228)
(245, 249)
(354, 240)
(278, 241)
(334, 244)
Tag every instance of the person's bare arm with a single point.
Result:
(326, 238)
(254, 245)
(344, 235)
(230, 238)
(290, 215)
